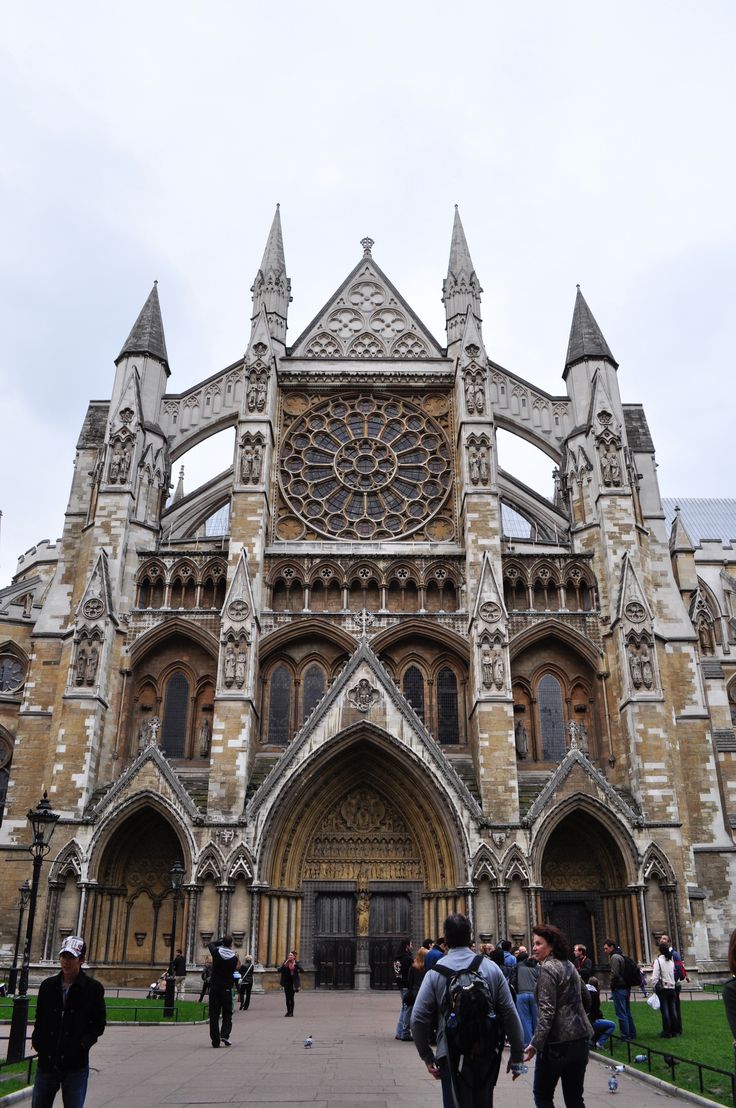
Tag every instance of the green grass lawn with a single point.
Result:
(15, 1077)
(705, 1038)
(127, 1009)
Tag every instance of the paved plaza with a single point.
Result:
(355, 1062)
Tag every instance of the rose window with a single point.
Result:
(366, 467)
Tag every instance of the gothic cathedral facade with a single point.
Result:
(365, 676)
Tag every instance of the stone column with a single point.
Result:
(192, 894)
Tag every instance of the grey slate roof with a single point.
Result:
(638, 434)
(93, 428)
(705, 518)
(147, 336)
(586, 337)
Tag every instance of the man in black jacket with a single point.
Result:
(70, 1017)
(224, 965)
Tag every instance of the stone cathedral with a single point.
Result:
(365, 676)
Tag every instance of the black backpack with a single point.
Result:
(631, 974)
(472, 1027)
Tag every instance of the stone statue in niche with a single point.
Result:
(486, 666)
(485, 469)
(521, 740)
(246, 464)
(143, 734)
(205, 734)
(93, 659)
(230, 663)
(499, 669)
(362, 913)
(240, 667)
(125, 455)
(153, 729)
(635, 667)
(647, 670)
(705, 637)
(615, 467)
(81, 664)
(363, 696)
(605, 467)
(474, 465)
(470, 393)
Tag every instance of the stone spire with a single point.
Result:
(461, 288)
(272, 288)
(147, 336)
(586, 338)
(680, 541)
(179, 491)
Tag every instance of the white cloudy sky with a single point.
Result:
(583, 142)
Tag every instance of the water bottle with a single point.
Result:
(451, 1021)
(640, 1057)
(519, 1068)
(613, 1083)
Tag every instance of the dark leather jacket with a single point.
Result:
(62, 1035)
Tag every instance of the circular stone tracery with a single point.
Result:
(365, 467)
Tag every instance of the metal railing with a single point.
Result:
(671, 1062)
(17, 1070)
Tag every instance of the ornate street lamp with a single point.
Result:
(176, 876)
(43, 821)
(24, 895)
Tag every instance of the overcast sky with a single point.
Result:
(584, 142)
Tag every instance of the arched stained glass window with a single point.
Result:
(314, 689)
(551, 719)
(447, 718)
(176, 710)
(279, 707)
(414, 690)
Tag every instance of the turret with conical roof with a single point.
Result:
(144, 357)
(586, 338)
(461, 288)
(272, 288)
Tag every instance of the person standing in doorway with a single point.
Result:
(290, 980)
(224, 965)
(70, 1017)
(180, 974)
(620, 991)
(246, 982)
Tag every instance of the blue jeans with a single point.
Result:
(402, 1027)
(603, 1031)
(526, 1006)
(73, 1087)
(622, 1008)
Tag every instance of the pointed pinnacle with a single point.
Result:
(147, 335)
(586, 337)
(273, 255)
(460, 259)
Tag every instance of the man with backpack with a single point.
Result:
(625, 975)
(467, 997)
(680, 976)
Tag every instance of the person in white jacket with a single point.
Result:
(663, 983)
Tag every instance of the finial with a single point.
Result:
(677, 509)
(181, 474)
(367, 244)
(578, 287)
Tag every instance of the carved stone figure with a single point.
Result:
(240, 668)
(480, 398)
(474, 465)
(485, 469)
(81, 664)
(92, 662)
(205, 734)
(125, 455)
(647, 670)
(362, 696)
(635, 667)
(605, 467)
(246, 464)
(143, 734)
(257, 461)
(230, 662)
(470, 394)
(154, 727)
(615, 467)
(362, 913)
(499, 669)
(521, 740)
(486, 666)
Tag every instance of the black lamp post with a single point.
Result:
(25, 892)
(43, 821)
(176, 876)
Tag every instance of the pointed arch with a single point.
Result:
(555, 628)
(583, 803)
(485, 864)
(69, 860)
(209, 864)
(163, 631)
(118, 814)
(515, 865)
(656, 864)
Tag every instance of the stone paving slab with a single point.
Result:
(355, 1063)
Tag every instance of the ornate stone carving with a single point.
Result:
(205, 735)
(475, 391)
(635, 612)
(257, 390)
(521, 740)
(251, 458)
(363, 695)
(479, 465)
(93, 608)
(641, 666)
(121, 453)
(499, 669)
(231, 658)
(237, 611)
(486, 665)
(490, 611)
(362, 839)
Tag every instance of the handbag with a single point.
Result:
(654, 1002)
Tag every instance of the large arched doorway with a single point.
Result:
(131, 911)
(584, 886)
(364, 852)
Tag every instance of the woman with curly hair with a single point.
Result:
(563, 1032)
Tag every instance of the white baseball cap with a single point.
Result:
(72, 945)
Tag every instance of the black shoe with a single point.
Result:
(216, 1046)
(225, 1042)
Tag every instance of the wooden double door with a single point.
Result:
(336, 941)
